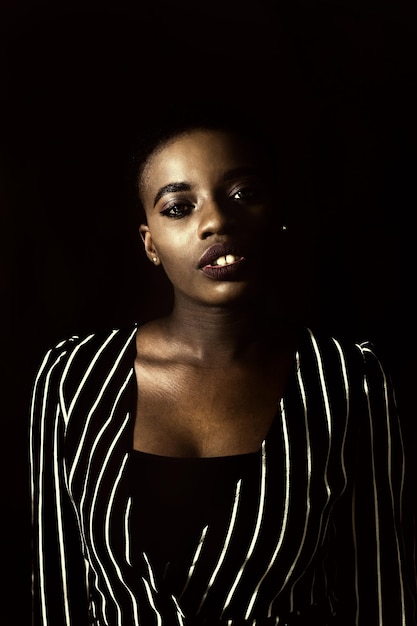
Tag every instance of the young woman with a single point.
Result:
(218, 465)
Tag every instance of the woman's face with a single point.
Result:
(209, 200)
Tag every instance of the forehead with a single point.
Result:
(193, 152)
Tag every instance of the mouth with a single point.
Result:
(220, 255)
(227, 259)
(223, 262)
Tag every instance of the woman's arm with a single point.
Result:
(59, 578)
(385, 587)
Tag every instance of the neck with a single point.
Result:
(209, 333)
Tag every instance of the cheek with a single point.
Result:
(179, 270)
(174, 253)
(172, 240)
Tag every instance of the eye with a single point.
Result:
(177, 211)
(246, 194)
(243, 194)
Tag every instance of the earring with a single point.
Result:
(155, 259)
(284, 228)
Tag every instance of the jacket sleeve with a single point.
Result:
(59, 574)
(383, 592)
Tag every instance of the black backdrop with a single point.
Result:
(334, 80)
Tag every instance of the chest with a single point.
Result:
(183, 411)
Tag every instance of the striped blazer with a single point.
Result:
(323, 528)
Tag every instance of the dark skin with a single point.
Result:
(210, 375)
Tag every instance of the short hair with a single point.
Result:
(178, 120)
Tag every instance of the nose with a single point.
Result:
(216, 219)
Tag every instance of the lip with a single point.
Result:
(218, 250)
(232, 271)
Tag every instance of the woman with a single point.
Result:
(218, 465)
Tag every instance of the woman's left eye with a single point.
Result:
(245, 193)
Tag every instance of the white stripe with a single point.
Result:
(43, 451)
(180, 614)
(375, 493)
(90, 413)
(97, 442)
(151, 576)
(67, 414)
(87, 584)
(309, 469)
(325, 397)
(93, 504)
(195, 559)
(313, 581)
(59, 518)
(109, 515)
(79, 510)
(94, 610)
(389, 451)
(31, 427)
(342, 456)
(347, 397)
(308, 500)
(31, 455)
(285, 513)
(87, 563)
(127, 532)
(226, 543)
(151, 601)
(64, 341)
(326, 405)
(328, 419)
(261, 509)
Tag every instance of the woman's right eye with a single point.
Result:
(177, 211)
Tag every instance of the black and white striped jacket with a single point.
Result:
(323, 531)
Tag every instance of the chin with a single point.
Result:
(231, 294)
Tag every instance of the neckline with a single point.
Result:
(162, 458)
(301, 336)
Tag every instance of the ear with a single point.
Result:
(150, 249)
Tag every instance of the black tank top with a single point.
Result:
(174, 499)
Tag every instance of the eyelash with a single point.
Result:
(249, 193)
(178, 210)
(186, 210)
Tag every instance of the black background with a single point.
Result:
(335, 81)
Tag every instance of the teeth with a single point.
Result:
(225, 260)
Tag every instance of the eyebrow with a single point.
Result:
(183, 186)
(171, 188)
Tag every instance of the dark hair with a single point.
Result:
(172, 122)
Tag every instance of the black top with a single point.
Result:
(174, 499)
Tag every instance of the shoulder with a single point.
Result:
(342, 342)
(355, 355)
(82, 352)
(362, 360)
(326, 345)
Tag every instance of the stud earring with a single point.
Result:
(284, 228)
(155, 259)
